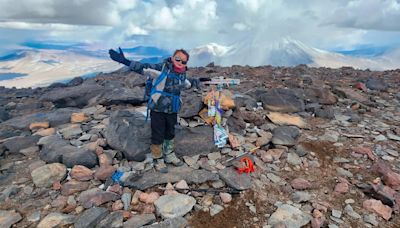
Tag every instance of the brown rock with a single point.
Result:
(81, 173)
(117, 205)
(300, 184)
(149, 209)
(275, 153)
(116, 188)
(38, 125)
(73, 186)
(56, 185)
(342, 187)
(99, 150)
(59, 202)
(46, 132)
(263, 140)
(286, 119)
(390, 178)
(149, 198)
(364, 150)
(378, 207)
(104, 172)
(104, 160)
(96, 197)
(79, 117)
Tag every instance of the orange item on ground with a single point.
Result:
(248, 166)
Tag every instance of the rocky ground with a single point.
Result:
(327, 153)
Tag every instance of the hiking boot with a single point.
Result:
(169, 155)
(160, 166)
(156, 151)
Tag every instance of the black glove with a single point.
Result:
(119, 57)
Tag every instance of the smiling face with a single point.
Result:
(179, 59)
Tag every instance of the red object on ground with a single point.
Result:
(248, 166)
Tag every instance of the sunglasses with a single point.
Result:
(178, 59)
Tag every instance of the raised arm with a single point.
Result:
(133, 65)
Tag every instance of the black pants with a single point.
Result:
(162, 126)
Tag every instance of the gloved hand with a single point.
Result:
(119, 57)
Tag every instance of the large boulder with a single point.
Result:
(193, 141)
(282, 100)
(376, 84)
(15, 144)
(76, 96)
(117, 92)
(129, 132)
(191, 105)
(320, 95)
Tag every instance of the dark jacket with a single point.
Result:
(173, 84)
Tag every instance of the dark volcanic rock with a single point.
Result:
(75, 81)
(174, 174)
(76, 96)
(113, 220)
(116, 92)
(130, 133)
(282, 100)
(193, 141)
(376, 84)
(191, 105)
(15, 144)
(91, 217)
(236, 122)
(4, 115)
(321, 95)
(243, 100)
(285, 135)
(80, 156)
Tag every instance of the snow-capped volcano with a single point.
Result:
(286, 52)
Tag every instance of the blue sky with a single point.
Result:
(170, 24)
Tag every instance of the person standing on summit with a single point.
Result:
(164, 102)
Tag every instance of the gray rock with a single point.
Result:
(300, 196)
(191, 105)
(349, 210)
(9, 191)
(4, 115)
(376, 84)
(175, 174)
(130, 133)
(371, 219)
(15, 144)
(293, 159)
(116, 92)
(91, 217)
(71, 131)
(9, 218)
(282, 100)
(291, 216)
(344, 173)
(178, 222)
(46, 175)
(243, 100)
(194, 141)
(172, 206)
(113, 220)
(56, 219)
(126, 200)
(285, 135)
(96, 197)
(81, 156)
(215, 209)
(336, 213)
(139, 220)
(34, 217)
(235, 180)
(274, 178)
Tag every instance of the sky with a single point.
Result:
(172, 24)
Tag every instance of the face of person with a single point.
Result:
(179, 60)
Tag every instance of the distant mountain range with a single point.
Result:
(40, 64)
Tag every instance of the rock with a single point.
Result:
(46, 175)
(300, 196)
(285, 135)
(38, 125)
(321, 95)
(342, 187)
(293, 159)
(225, 197)
(182, 185)
(282, 100)
(393, 137)
(130, 133)
(243, 100)
(349, 210)
(371, 219)
(71, 131)
(274, 178)
(81, 173)
(139, 220)
(104, 172)
(378, 207)
(175, 174)
(336, 213)
(79, 117)
(344, 173)
(390, 178)
(177, 222)
(75, 96)
(194, 141)
(215, 209)
(34, 217)
(235, 180)
(96, 197)
(4, 115)
(75, 81)
(15, 144)
(376, 84)
(364, 150)
(172, 206)
(30, 151)
(91, 217)
(191, 105)
(117, 92)
(214, 156)
(300, 184)
(291, 216)
(81, 156)
(286, 119)
(113, 220)
(149, 198)
(73, 186)
(56, 219)
(117, 205)
(9, 218)
(45, 132)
